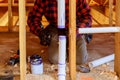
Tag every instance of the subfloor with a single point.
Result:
(100, 46)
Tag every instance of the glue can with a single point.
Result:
(36, 64)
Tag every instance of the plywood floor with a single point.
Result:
(101, 45)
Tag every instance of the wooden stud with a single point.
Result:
(107, 13)
(72, 39)
(110, 12)
(92, 3)
(3, 28)
(10, 19)
(13, 1)
(22, 39)
(3, 4)
(117, 40)
(105, 2)
(4, 19)
(101, 19)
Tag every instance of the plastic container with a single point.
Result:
(36, 64)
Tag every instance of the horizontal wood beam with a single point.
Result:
(15, 5)
(3, 28)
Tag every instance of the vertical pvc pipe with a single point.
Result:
(61, 13)
(62, 58)
(62, 41)
(22, 39)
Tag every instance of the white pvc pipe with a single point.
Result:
(100, 61)
(62, 58)
(61, 13)
(98, 30)
(62, 41)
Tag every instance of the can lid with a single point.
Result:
(35, 59)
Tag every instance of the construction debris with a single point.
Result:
(14, 59)
(39, 77)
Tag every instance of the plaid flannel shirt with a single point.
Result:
(48, 8)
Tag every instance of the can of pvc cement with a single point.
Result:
(36, 64)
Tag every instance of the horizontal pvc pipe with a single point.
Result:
(100, 61)
(98, 30)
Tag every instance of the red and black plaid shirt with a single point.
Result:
(48, 8)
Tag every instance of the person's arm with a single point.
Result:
(35, 17)
(84, 18)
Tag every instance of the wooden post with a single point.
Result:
(10, 19)
(4, 19)
(22, 39)
(72, 39)
(117, 40)
(110, 12)
(13, 1)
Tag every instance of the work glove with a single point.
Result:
(88, 37)
(63, 31)
(45, 37)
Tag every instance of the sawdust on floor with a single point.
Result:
(101, 45)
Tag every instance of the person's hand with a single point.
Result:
(88, 37)
(62, 31)
(45, 37)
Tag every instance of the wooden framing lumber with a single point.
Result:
(10, 18)
(110, 12)
(72, 39)
(117, 40)
(100, 18)
(27, 4)
(92, 2)
(15, 20)
(3, 28)
(16, 4)
(13, 2)
(3, 4)
(22, 39)
(1, 0)
(107, 13)
(106, 1)
(4, 19)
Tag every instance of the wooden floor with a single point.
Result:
(100, 46)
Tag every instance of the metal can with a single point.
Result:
(36, 64)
